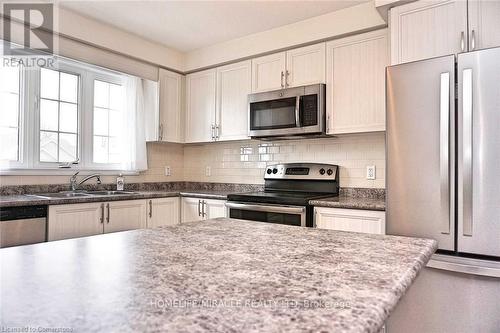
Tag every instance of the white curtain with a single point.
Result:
(134, 137)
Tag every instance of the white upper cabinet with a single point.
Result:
(200, 106)
(484, 24)
(268, 72)
(233, 86)
(426, 29)
(171, 104)
(305, 65)
(355, 95)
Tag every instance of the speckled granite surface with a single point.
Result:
(350, 203)
(219, 275)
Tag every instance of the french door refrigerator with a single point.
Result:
(443, 151)
(443, 182)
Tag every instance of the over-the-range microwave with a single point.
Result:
(288, 112)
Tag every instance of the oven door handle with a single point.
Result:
(265, 208)
(297, 112)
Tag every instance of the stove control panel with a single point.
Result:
(304, 171)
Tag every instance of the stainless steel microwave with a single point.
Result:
(288, 112)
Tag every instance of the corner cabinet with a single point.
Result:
(195, 209)
(293, 68)
(355, 81)
(353, 220)
(234, 83)
(163, 211)
(171, 87)
(200, 106)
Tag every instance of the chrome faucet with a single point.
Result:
(74, 184)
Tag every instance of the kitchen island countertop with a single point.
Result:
(214, 275)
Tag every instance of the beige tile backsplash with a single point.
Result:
(245, 161)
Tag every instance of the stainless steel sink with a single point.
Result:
(109, 192)
(70, 194)
(59, 195)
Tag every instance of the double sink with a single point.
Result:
(80, 194)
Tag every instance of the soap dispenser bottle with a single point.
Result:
(120, 182)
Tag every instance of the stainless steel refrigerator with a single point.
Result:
(443, 182)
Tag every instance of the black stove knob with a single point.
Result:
(275, 171)
(329, 172)
(321, 171)
(269, 171)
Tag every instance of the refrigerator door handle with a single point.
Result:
(444, 144)
(467, 153)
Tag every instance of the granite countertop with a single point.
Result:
(211, 276)
(350, 202)
(34, 200)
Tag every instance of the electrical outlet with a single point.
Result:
(168, 171)
(370, 172)
(208, 171)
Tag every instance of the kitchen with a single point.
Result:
(277, 161)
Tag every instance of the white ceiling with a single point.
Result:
(189, 25)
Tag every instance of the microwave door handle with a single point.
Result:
(297, 111)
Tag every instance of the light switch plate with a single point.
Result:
(168, 171)
(208, 171)
(370, 172)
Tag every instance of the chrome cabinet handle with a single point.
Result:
(107, 218)
(282, 77)
(161, 132)
(150, 208)
(467, 152)
(462, 41)
(199, 207)
(102, 214)
(203, 203)
(444, 150)
(217, 131)
(212, 128)
(473, 40)
(286, 78)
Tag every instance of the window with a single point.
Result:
(108, 115)
(10, 113)
(58, 116)
(69, 112)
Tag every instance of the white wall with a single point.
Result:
(338, 23)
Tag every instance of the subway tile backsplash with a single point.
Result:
(245, 161)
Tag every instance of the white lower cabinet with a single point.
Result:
(366, 221)
(125, 215)
(76, 220)
(163, 211)
(87, 219)
(194, 209)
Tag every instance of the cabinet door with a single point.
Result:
(163, 211)
(191, 209)
(305, 65)
(200, 106)
(125, 215)
(484, 24)
(427, 29)
(353, 220)
(76, 220)
(233, 86)
(171, 100)
(268, 72)
(215, 208)
(355, 90)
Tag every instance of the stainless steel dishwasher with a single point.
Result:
(23, 225)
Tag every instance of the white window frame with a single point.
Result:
(29, 122)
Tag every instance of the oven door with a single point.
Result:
(290, 215)
(294, 111)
